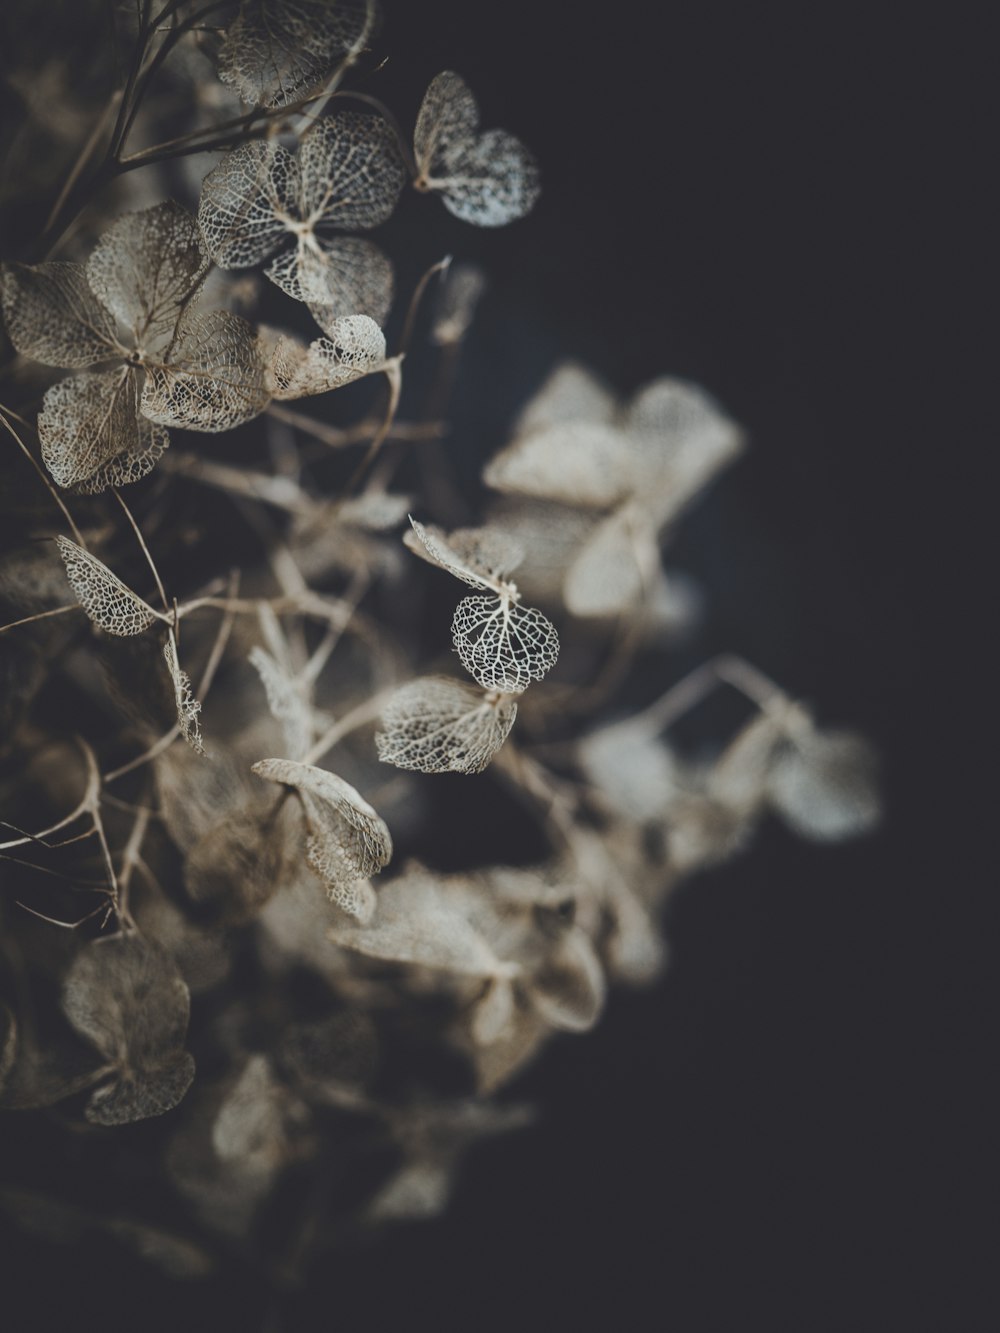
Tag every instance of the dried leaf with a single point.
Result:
(126, 997)
(348, 841)
(488, 179)
(277, 50)
(131, 464)
(87, 422)
(575, 462)
(215, 377)
(635, 773)
(52, 315)
(823, 784)
(503, 645)
(351, 171)
(146, 266)
(188, 707)
(437, 725)
(106, 600)
(355, 278)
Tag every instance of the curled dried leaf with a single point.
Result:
(106, 600)
(480, 557)
(355, 347)
(488, 179)
(437, 725)
(347, 842)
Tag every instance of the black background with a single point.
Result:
(784, 204)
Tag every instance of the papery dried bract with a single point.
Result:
(488, 179)
(277, 50)
(214, 377)
(635, 773)
(437, 725)
(146, 266)
(244, 203)
(52, 315)
(126, 997)
(87, 422)
(503, 645)
(480, 557)
(822, 783)
(354, 348)
(106, 600)
(347, 842)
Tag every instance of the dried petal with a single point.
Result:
(575, 462)
(125, 995)
(131, 464)
(615, 565)
(215, 378)
(146, 266)
(355, 348)
(351, 172)
(568, 989)
(505, 646)
(570, 394)
(188, 707)
(635, 773)
(347, 839)
(480, 557)
(52, 315)
(355, 279)
(488, 179)
(436, 725)
(106, 600)
(246, 203)
(87, 421)
(277, 50)
(286, 701)
(823, 784)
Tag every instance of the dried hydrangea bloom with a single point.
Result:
(261, 202)
(823, 784)
(437, 725)
(106, 600)
(502, 644)
(347, 841)
(125, 995)
(487, 178)
(130, 306)
(276, 51)
(354, 347)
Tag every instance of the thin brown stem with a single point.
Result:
(45, 480)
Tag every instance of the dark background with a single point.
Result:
(784, 204)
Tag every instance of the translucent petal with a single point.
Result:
(574, 462)
(356, 278)
(131, 464)
(739, 777)
(614, 567)
(635, 773)
(480, 557)
(568, 989)
(823, 784)
(570, 393)
(188, 707)
(436, 725)
(415, 922)
(488, 179)
(375, 511)
(276, 51)
(286, 702)
(347, 839)
(215, 378)
(241, 200)
(86, 421)
(551, 535)
(503, 645)
(127, 998)
(352, 173)
(146, 266)
(52, 316)
(106, 600)
(681, 438)
(355, 347)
